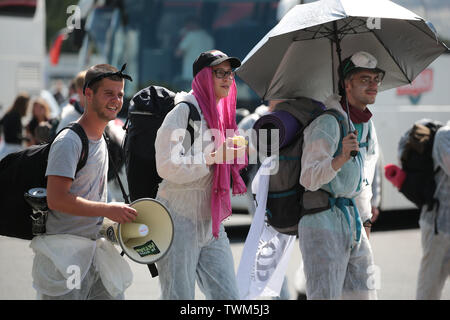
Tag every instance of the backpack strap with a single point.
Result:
(367, 136)
(342, 126)
(115, 170)
(192, 118)
(78, 129)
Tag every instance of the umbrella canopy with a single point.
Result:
(300, 55)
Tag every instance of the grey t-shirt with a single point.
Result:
(89, 183)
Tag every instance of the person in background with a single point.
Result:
(247, 124)
(75, 108)
(40, 112)
(194, 41)
(249, 173)
(12, 127)
(434, 223)
(58, 92)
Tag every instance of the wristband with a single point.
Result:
(367, 224)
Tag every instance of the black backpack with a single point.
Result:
(419, 185)
(147, 111)
(21, 171)
(287, 201)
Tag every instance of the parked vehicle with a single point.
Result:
(22, 49)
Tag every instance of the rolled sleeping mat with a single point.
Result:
(286, 124)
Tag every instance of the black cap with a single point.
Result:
(213, 58)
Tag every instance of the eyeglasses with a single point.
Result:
(366, 81)
(220, 74)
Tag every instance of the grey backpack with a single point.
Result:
(287, 200)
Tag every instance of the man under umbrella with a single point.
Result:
(337, 256)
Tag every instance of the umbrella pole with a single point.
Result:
(341, 79)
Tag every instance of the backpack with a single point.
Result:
(24, 170)
(416, 159)
(147, 111)
(287, 200)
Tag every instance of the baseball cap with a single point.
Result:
(360, 60)
(213, 58)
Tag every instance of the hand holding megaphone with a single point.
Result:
(120, 212)
(148, 237)
(130, 230)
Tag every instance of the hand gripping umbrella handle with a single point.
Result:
(353, 153)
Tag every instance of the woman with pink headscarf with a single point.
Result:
(196, 182)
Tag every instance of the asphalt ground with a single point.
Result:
(395, 242)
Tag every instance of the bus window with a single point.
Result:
(148, 36)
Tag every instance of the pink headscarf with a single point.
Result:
(220, 117)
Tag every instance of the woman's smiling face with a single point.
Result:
(222, 85)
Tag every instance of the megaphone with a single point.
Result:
(149, 237)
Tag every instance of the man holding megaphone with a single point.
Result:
(71, 260)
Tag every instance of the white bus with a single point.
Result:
(145, 34)
(22, 49)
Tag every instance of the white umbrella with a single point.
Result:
(301, 54)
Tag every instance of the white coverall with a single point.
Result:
(69, 267)
(186, 191)
(337, 255)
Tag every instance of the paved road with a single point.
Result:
(397, 254)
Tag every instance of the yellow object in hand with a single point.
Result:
(239, 141)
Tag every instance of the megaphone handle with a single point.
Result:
(151, 267)
(153, 270)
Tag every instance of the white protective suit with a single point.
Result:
(435, 264)
(186, 191)
(69, 267)
(337, 255)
